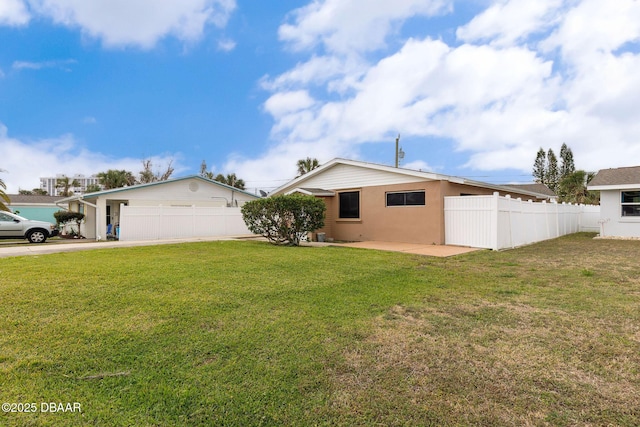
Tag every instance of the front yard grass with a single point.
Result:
(245, 333)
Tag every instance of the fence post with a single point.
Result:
(495, 229)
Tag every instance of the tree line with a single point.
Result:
(114, 178)
(562, 177)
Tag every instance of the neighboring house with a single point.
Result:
(36, 207)
(367, 201)
(619, 201)
(536, 188)
(103, 208)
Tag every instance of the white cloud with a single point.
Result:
(531, 74)
(13, 12)
(283, 103)
(60, 155)
(27, 65)
(138, 23)
(420, 165)
(226, 45)
(348, 25)
(594, 27)
(509, 21)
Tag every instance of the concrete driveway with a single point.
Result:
(412, 248)
(53, 246)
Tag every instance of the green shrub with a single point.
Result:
(285, 219)
(63, 217)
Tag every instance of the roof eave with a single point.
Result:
(613, 187)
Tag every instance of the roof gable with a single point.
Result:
(342, 174)
(137, 188)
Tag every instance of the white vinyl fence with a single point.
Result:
(171, 222)
(497, 222)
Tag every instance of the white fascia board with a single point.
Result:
(613, 187)
(298, 190)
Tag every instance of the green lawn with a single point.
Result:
(244, 333)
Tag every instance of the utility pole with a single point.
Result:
(399, 152)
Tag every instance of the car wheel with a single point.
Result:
(37, 236)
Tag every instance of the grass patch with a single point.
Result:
(244, 333)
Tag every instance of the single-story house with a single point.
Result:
(36, 207)
(367, 201)
(102, 209)
(536, 188)
(619, 201)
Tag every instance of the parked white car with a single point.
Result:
(14, 226)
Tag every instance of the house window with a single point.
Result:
(631, 203)
(349, 204)
(406, 198)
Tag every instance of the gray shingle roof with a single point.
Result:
(618, 176)
(33, 198)
(536, 188)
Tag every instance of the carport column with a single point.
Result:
(101, 218)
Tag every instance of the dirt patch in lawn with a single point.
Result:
(493, 364)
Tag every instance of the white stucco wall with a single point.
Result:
(181, 193)
(613, 223)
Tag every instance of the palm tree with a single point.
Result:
(573, 188)
(65, 184)
(116, 179)
(231, 180)
(307, 165)
(92, 188)
(4, 198)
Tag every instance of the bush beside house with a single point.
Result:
(284, 219)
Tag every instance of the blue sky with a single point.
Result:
(474, 87)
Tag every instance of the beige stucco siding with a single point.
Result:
(411, 224)
(419, 224)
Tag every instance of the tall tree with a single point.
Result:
(566, 161)
(116, 178)
(231, 180)
(540, 166)
(147, 174)
(65, 185)
(573, 188)
(551, 175)
(307, 165)
(4, 198)
(204, 172)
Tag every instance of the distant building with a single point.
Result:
(49, 184)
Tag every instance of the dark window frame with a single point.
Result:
(630, 207)
(403, 198)
(349, 212)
